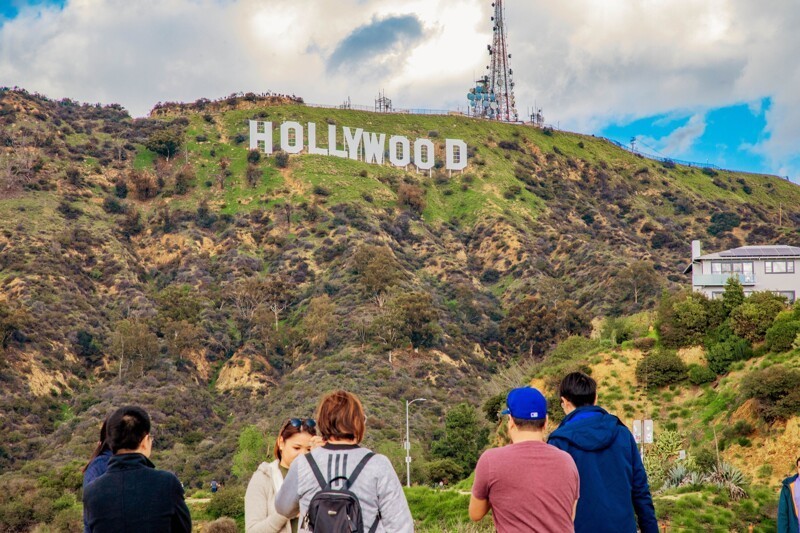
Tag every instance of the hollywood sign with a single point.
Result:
(359, 145)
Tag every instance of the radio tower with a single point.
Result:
(493, 95)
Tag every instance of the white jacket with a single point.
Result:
(260, 515)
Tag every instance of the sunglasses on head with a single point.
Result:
(300, 422)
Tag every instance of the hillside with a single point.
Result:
(249, 284)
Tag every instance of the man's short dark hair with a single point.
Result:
(797, 462)
(525, 424)
(127, 427)
(579, 389)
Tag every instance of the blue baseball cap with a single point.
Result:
(526, 403)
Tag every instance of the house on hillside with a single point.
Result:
(758, 268)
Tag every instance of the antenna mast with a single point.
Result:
(493, 95)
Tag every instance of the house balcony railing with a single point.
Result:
(719, 280)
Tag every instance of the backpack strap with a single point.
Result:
(359, 467)
(374, 527)
(317, 473)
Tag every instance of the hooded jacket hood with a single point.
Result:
(589, 428)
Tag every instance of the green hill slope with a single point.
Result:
(393, 283)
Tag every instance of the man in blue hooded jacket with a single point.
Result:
(614, 490)
(787, 505)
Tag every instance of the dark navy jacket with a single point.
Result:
(133, 497)
(613, 480)
(95, 469)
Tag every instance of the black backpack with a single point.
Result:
(336, 510)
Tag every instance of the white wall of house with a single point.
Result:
(776, 274)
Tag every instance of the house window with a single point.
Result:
(779, 267)
(788, 294)
(731, 268)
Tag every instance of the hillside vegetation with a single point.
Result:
(158, 261)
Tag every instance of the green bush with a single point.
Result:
(281, 159)
(723, 221)
(618, 330)
(660, 368)
(684, 319)
(444, 470)
(699, 374)
(780, 337)
(228, 501)
(644, 344)
(777, 390)
(720, 356)
(573, 347)
(752, 319)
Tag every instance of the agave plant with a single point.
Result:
(727, 476)
(692, 479)
(675, 476)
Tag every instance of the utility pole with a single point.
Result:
(407, 444)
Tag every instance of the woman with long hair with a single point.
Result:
(97, 464)
(295, 438)
(342, 463)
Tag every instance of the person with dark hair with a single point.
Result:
(341, 462)
(614, 489)
(528, 485)
(789, 503)
(97, 465)
(294, 439)
(132, 495)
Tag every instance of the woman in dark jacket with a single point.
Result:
(97, 465)
(787, 505)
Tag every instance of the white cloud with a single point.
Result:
(586, 62)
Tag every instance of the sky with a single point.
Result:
(709, 81)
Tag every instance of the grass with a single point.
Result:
(442, 510)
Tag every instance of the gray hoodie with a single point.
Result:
(377, 487)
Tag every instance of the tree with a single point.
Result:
(463, 440)
(683, 318)
(533, 326)
(165, 142)
(252, 450)
(133, 345)
(377, 269)
(180, 302)
(639, 280)
(250, 294)
(181, 337)
(319, 321)
(752, 319)
(409, 317)
(733, 296)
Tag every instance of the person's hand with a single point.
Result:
(317, 441)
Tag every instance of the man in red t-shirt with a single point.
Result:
(529, 485)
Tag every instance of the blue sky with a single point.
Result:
(723, 136)
(699, 80)
(9, 9)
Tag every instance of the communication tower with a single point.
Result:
(493, 95)
(383, 104)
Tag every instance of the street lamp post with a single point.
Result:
(408, 442)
